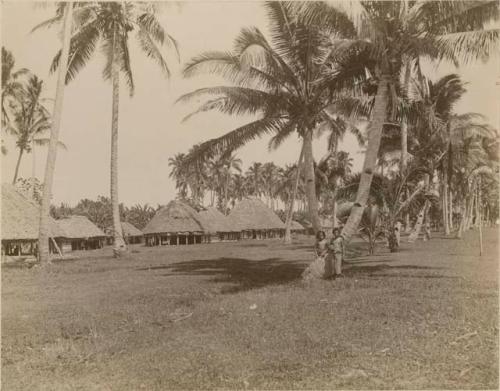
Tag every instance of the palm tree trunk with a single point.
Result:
(312, 200)
(16, 172)
(450, 209)
(289, 216)
(418, 225)
(43, 234)
(404, 124)
(462, 220)
(119, 245)
(378, 117)
(334, 208)
(445, 203)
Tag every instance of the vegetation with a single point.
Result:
(111, 24)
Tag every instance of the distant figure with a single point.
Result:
(427, 233)
(397, 231)
(337, 252)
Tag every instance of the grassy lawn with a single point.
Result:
(236, 316)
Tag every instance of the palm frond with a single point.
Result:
(45, 141)
(285, 132)
(469, 46)
(151, 49)
(329, 18)
(235, 100)
(236, 138)
(125, 65)
(82, 46)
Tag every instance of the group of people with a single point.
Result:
(330, 253)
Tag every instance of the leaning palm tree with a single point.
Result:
(282, 81)
(111, 24)
(398, 31)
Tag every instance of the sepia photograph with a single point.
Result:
(250, 195)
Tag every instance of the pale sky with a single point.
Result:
(151, 130)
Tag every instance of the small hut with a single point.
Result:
(79, 233)
(296, 227)
(20, 222)
(131, 234)
(177, 223)
(219, 224)
(255, 220)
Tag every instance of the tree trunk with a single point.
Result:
(312, 200)
(470, 212)
(462, 220)
(375, 127)
(450, 209)
(289, 216)
(334, 208)
(407, 216)
(16, 172)
(404, 123)
(43, 234)
(119, 246)
(418, 225)
(446, 224)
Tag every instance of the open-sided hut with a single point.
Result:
(219, 225)
(131, 234)
(20, 222)
(255, 220)
(79, 233)
(174, 224)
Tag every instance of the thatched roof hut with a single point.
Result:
(296, 226)
(216, 220)
(176, 217)
(20, 217)
(77, 227)
(252, 214)
(130, 230)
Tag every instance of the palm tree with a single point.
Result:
(65, 13)
(255, 179)
(12, 88)
(282, 81)
(111, 24)
(179, 174)
(29, 121)
(238, 187)
(270, 177)
(397, 31)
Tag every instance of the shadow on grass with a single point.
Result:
(242, 274)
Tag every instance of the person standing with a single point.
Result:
(397, 231)
(337, 252)
(427, 232)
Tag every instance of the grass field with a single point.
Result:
(236, 316)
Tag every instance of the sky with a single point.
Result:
(151, 129)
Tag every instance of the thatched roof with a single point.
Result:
(20, 216)
(217, 221)
(296, 226)
(76, 227)
(129, 230)
(253, 214)
(176, 217)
